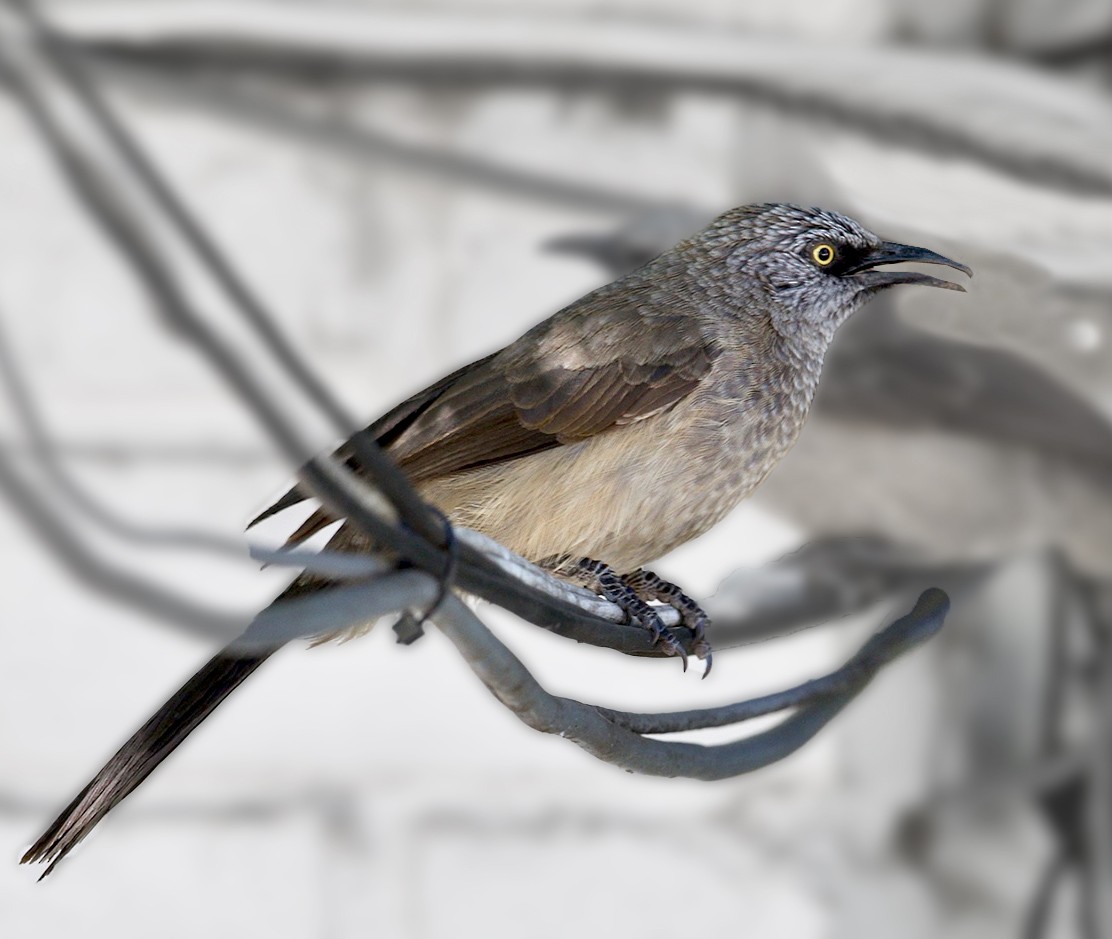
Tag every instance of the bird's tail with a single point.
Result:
(148, 747)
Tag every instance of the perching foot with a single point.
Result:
(605, 581)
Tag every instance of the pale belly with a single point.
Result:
(624, 497)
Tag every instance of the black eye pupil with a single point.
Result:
(824, 254)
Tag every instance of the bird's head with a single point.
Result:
(808, 268)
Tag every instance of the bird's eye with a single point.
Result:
(823, 254)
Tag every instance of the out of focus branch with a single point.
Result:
(323, 129)
(57, 532)
(952, 105)
(134, 156)
(61, 56)
(42, 451)
(1098, 873)
(827, 578)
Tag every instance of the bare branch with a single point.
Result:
(70, 67)
(324, 130)
(544, 583)
(850, 678)
(89, 568)
(945, 104)
(589, 727)
(337, 609)
(827, 578)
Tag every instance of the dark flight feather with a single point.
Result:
(137, 758)
(155, 741)
(551, 387)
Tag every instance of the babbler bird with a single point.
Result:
(626, 424)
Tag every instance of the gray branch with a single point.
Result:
(610, 739)
(947, 104)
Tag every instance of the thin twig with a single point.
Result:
(88, 566)
(65, 57)
(48, 466)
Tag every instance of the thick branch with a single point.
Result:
(612, 742)
(947, 104)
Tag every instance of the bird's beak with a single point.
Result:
(889, 252)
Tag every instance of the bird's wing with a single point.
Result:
(555, 386)
(595, 366)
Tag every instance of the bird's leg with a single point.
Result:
(604, 580)
(650, 586)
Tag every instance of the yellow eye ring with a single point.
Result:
(823, 254)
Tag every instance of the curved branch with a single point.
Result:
(56, 531)
(909, 631)
(508, 679)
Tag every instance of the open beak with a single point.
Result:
(889, 252)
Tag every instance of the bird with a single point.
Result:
(627, 423)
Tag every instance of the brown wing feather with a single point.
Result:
(592, 367)
(581, 403)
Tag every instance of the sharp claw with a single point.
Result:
(675, 647)
(632, 599)
(710, 664)
(682, 653)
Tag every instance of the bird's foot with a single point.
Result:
(605, 581)
(649, 586)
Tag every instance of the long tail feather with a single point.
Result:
(137, 758)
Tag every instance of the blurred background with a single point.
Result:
(409, 186)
